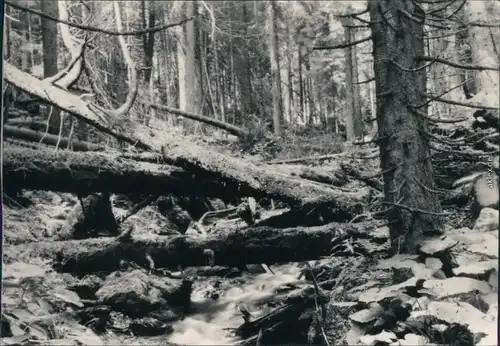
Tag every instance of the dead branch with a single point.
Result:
(456, 65)
(344, 45)
(234, 130)
(100, 30)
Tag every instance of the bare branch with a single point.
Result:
(211, 121)
(456, 65)
(347, 15)
(458, 103)
(344, 45)
(366, 81)
(442, 94)
(102, 31)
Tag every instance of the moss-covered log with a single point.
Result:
(231, 247)
(85, 172)
(200, 173)
(259, 180)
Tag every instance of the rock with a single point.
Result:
(456, 286)
(17, 271)
(355, 292)
(137, 294)
(487, 220)
(373, 312)
(419, 270)
(87, 287)
(461, 313)
(433, 263)
(401, 274)
(412, 340)
(377, 294)
(436, 245)
(148, 326)
(384, 336)
(479, 270)
(483, 243)
(493, 279)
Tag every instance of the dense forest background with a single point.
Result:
(251, 172)
(290, 64)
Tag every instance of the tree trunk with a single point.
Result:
(275, 69)
(289, 74)
(148, 39)
(192, 74)
(50, 54)
(242, 64)
(485, 45)
(234, 247)
(404, 149)
(301, 84)
(354, 123)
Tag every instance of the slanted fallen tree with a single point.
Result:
(250, 245)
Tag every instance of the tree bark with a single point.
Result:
(275, 69)
(404, 149)
(191, 97)
(50, 54)
(232, 248)
(354, 124)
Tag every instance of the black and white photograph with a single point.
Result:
(254, 172)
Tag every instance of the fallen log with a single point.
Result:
(40, 137)
(249, 179)
(86, 172)
(251, 245)
(234, 130)
(237, 175)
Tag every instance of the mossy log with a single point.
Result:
(250, 245)
(183, 171)
(86, 172)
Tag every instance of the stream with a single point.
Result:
(210, 318)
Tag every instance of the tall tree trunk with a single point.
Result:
(354, 124)
(485, 44)
(301, 84)
(50, 54)
(148, 39)
(6, 33)
(275, 69)
(404, 149)
(289, 75)
(190, 93)
(242, 65)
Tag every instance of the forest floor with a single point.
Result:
(445, 295)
